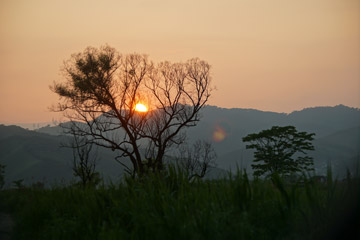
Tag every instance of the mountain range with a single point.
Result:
(37, 155)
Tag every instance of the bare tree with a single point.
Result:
(84, 161)
(103, 87)
(196, 160)
(2, 179)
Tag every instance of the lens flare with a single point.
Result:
(219, 134)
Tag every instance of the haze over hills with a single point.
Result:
(337, 138)
(35, 155)
(237, 123)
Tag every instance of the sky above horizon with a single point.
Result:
(278, 55)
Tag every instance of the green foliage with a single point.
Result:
(168, 206)
(275, 149)
(90, 73)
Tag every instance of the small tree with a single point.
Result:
(104, 87)
(2, 180)
(280, 150)
(196, 160)
(19, 184)
(84, 162)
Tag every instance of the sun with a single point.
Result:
(141, 108)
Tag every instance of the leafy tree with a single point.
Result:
(280, 150)
(103, 87)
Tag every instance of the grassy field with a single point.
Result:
(169, 207)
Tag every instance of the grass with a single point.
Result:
(170, 207)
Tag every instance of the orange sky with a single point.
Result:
(276, 55)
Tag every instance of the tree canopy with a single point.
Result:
(280, 150)
(103, 87)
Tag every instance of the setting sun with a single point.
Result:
(140, 108)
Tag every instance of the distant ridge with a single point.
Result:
(238, 122)
(35, 155)
(41, 125)
(32, 126)
(339, 106)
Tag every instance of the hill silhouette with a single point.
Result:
(36, 155)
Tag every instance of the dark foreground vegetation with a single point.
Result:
(168, 206)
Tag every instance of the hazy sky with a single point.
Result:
(275, 55)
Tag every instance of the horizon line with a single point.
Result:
(207, 105)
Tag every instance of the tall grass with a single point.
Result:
(168, 206)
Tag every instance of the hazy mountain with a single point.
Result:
(341, 150)
(325, 120)
(237, 123)
(337, 138)
(336, 123)
(36, 155)
(34, 126)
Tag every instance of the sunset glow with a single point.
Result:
(276, 56)
(141, 108)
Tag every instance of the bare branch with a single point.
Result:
(102, 88)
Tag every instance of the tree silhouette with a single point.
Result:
(101, 91)
(275, 149)
(196, 160)
(84, 162)
(2, 180)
